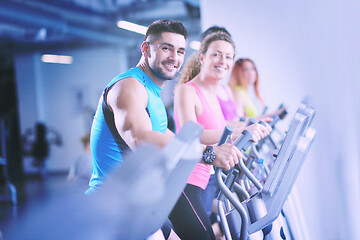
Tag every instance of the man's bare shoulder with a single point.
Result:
(128, 83)
(127, 91)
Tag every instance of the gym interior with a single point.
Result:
(307, 55)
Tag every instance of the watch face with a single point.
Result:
(209, 155)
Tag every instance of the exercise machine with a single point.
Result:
(260, 209)
(133, 203)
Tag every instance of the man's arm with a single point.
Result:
(128, 100)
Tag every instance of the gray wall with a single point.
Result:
(309, 48)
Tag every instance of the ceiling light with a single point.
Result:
(132, 27)
(195, 45)
(62, 59)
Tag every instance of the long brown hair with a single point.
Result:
(192, 66)
(235, 77)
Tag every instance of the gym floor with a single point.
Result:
(30, 192)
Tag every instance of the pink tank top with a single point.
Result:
(209, 120)
(228, 107)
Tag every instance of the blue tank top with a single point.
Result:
(107, 146)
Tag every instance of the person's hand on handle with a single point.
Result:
(259, 131)
(268, 128)
(280, 110)
(265, 118)
(226, 156)
(268, 117)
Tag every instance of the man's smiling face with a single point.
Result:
(166, 55)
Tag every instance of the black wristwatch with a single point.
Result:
(209, 155)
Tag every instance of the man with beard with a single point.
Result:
(131, 111)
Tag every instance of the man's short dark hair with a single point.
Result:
(160, 26)
(212, 30)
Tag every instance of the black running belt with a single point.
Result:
(109, 119)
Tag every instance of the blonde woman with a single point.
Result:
(243, 76)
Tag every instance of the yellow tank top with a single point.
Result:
(250, 109)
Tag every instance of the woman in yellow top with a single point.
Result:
(244, 75)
